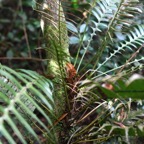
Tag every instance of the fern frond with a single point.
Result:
(134, 39)
(22, 93)
(100, 114)
(104, 17)
(126, 12)
(96, 24)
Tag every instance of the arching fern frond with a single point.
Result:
(100, 112)
(22, 93)
(105, 19)
(134, 40)
(97, 22)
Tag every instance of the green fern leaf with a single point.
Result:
(21, 93)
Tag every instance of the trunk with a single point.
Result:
(57, 44)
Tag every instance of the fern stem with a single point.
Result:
(106, 40)
(105, 73)
(89, 41)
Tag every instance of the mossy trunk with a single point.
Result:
(57, 48)
(57, 44)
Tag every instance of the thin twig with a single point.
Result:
(23, 58)
(25, 33)
(27, 41)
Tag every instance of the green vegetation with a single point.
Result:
(90, 60)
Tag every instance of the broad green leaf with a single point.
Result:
(74, 40)
(71, 27)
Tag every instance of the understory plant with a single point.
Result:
(90, 93)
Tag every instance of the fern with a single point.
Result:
(21, 94)
(98, 100)
(99, 118)
(135, 38)
(91, 110)
(105, 17)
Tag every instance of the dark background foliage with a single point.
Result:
(20, 34)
